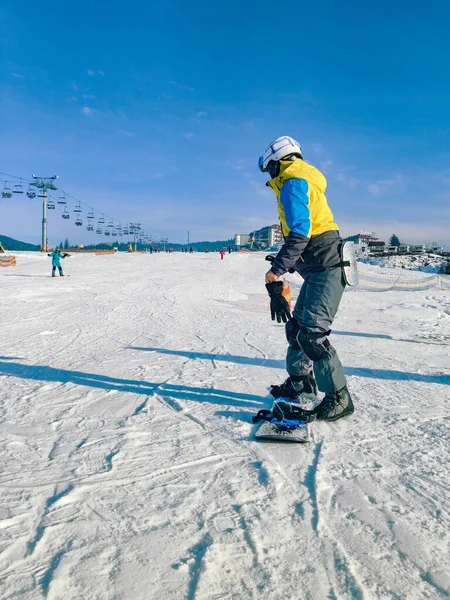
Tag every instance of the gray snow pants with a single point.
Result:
(316, 307)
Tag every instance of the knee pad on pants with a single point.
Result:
(292, 328)
(308, 341)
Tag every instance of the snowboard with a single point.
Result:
(286, 429)
(272, 431)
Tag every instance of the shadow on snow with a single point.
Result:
(280, 364)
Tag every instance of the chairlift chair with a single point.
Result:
(62, 199)
(51, 205)
(102, 219)
(18, 188)
(31, 193)
(90, 227)
(114, 233)
(66, 214)
(107, 232)
(6, 193)
(99, 231)
(77, 208)
(91, 215)
(78, 222)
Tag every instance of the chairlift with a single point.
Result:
(18, 188)
(6, 193)
(77, 208)
(90, 227)
(102, 219)
(125, 231)
(114, 233)
(31, 193)
(62, 199)
(91, 215)
(111, 224)
(66, 214)
(51, 205)
(78, 222)
(107, 232)
(99, 231)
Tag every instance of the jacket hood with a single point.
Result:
(299, 169)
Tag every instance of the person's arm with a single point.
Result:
(295, 200)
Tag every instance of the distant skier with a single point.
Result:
(222, 254)
(312, 246)
(56, 257)
(229, 249)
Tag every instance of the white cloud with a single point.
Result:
(126, 133)
(75, 87)
(182, 87)
(91, 73)
(87, 111)
(201, 113)
(188, 136)
(18, 75)
(343, 176)
(379, 186)
(88, 96)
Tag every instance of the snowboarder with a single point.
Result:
(312, 248)
(56, 257)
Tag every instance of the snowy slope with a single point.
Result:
(128, 466)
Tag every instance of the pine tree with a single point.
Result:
(66, 244)
(394, 241)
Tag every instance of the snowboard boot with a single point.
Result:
(53, 274)
(335, 405)
(294, 386)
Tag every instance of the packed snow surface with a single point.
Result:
(423, 263)
(128, 464)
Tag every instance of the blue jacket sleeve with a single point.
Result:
(294, 199)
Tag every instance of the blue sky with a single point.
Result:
(157, 111)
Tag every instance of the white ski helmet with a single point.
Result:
(277, 150)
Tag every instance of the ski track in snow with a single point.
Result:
(128, 465)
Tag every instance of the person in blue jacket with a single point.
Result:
(312, 247)
(56, 257)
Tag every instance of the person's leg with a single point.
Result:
(60, 272)
(298, 365)
(53, 271)
(320, 303)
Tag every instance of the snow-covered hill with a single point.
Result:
(426, 263)
(128, 467)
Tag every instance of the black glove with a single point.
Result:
(279, 306)
(272, 257)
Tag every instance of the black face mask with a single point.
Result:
(273, 168)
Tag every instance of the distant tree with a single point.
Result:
(445, 268)
(394, 241)
(66, 244)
